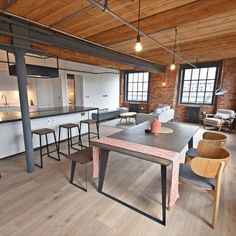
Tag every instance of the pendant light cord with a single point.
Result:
(175, 45)
(139, 6)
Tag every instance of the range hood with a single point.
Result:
(35, 71)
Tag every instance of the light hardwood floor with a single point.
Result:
(44, 203)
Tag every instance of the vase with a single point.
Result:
(155, 126)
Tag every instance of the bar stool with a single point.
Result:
(83, 157)
(41, 132)
(69, 127)
(90, 122)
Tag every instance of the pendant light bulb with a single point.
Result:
(138, 45)
(172, 66)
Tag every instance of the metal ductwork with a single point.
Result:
(35, 71)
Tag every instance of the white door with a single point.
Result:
(44, 93)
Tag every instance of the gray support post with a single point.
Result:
(22, 86)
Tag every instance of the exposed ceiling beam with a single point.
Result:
(140, 31)
(8, 5)
(51, 37)
(66, 18)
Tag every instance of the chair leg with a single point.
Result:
(187, 160)
(216, 207)
(41, 153)
(59, 139)
(89, 134)
(57, 147)
(97, 124)
(68, 141)
(46, 137)
(72, 174)
(79, 140)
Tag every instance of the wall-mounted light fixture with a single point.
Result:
(138, 45)
(165, 82)
(172, 66)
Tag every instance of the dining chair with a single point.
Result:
(208, 137)
(206, 172)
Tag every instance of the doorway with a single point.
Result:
(71, 89)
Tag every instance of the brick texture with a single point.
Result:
(168, 93)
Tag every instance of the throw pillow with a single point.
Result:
(222, 116)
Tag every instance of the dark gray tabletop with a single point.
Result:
(176, 141)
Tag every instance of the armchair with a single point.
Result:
(223, 117)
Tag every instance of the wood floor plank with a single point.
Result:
(45, 203)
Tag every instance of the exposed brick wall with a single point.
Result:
(228, 80)
(167, 94)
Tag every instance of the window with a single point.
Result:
(137, 86)
(197, 85)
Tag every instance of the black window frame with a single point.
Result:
(183, 67)
(126, 86)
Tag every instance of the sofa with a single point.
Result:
(164, 112)
(106, 114)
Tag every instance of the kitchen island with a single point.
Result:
(11, 131)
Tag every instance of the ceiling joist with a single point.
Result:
(49, 37)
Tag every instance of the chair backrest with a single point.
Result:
(210, 149)
(230, 113)
(215, 138)
(213, 166)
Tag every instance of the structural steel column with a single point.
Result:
(22, 86)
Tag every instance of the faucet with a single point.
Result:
(5, 99)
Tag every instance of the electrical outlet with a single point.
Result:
(54, 120)
(49, 121)
(82, 113)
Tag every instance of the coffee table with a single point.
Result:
(127, 116)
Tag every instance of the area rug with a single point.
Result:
(116, 123)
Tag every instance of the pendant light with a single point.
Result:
(138, 45)
(172, 66)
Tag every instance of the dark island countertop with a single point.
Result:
(45, 112)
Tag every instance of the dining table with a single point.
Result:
(138, 142)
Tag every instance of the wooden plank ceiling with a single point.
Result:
(206, 28)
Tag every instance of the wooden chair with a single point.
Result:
(206, 173)
(213, 136)
(208, 137)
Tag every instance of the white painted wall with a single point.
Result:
(101, 91)
(96, 90)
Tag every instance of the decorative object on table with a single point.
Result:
(223, 117)
(206, 172)
(155, 126)
(165, 130)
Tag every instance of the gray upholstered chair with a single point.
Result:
(223, 117)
